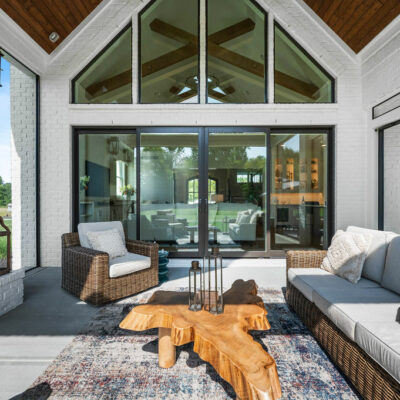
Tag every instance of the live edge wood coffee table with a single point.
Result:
(222, 340)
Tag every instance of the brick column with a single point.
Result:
(23, 167)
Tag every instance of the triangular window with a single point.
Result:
(298, 77)
(108, 78)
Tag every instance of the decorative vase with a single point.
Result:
(162, 266)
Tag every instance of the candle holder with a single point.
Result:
(213, 297)
(195, 287)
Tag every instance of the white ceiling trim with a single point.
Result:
(379, 41)
(21, 46)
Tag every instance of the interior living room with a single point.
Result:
(199, 199)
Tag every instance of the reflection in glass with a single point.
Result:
(169, 190)
(298, 78)
(169, 52)
(108, 78)
(298, 190)
(236, 52)
(236, 210)
(107, 179)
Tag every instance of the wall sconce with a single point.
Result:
(128, 156)
(113, 145)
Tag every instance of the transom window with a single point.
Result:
(234, 70)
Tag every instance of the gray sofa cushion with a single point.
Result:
(381, 341)
(346, 306)
(128, 264)
(306, 279)
(391, 274)
(84, 228)
(376, 255)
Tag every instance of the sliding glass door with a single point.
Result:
(299, 190)
(169, 188)
(250, 191)
(237, 168)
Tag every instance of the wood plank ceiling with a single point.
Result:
(39, 18)
(356, 22)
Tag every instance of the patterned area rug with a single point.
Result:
(105, 362)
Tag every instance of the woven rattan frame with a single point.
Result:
(85, 272)
(367, 376)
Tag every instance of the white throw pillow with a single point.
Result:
(346, 255)
(109, 241)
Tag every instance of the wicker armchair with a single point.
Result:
(85, 272)
(368, 377)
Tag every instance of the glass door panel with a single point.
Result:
(107, 178)
(299, 183)
(236, 190)
(169, 191)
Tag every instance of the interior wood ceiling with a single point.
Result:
(356, 22)
(39, 18)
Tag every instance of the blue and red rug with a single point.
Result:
(105, 362)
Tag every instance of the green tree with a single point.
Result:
(5, 193)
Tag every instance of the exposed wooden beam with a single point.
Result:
(297, 85)
(109, 84)
(233, 31)
(215, 50)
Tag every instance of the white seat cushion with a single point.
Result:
(84, 228)
(375, 261)
(128, 264)
(345, 306)
(382, 342)
(391, 274)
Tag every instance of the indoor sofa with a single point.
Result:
(358, 325)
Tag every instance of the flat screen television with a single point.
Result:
(99, 185)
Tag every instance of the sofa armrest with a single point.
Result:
(81, 264)
(304, 259)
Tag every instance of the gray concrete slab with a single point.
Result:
(34, 333)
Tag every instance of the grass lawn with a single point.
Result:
(4, 211)
(3, 242)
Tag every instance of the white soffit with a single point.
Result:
(21, 46)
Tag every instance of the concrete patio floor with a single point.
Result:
(33, 334)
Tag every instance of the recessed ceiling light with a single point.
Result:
(54, 36)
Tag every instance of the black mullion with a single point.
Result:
(138, 204)
(381, 178)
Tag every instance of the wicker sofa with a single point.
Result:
(339, 314)
(86, 272)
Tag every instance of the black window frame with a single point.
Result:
(203, 143)
(95, 58)
(317, 64)
(266, 81)
(139, 67)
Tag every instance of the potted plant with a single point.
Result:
(84, 182)
(127, 191)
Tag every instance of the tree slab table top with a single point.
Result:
(222, 340)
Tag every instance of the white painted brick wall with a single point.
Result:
(392, 181)
(23, 168)
(58, 116)
(11, 290)
(380, 80)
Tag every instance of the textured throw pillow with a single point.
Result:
(109, 241)
(346, 255)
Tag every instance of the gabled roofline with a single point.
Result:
(21, 46)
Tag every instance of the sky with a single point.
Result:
(5, 124)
